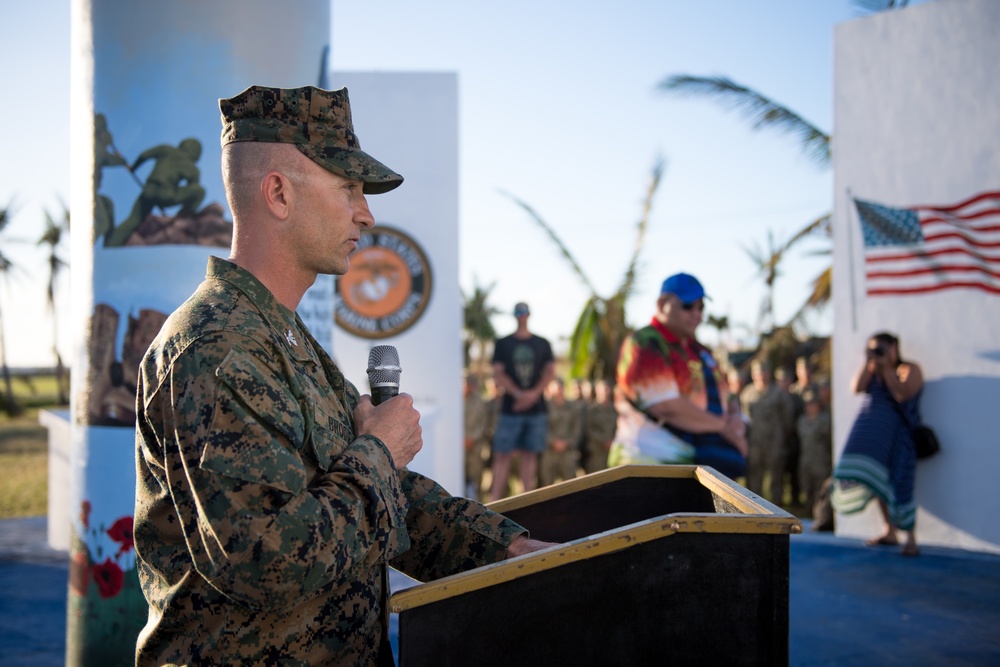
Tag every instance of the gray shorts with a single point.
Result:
(528, 433)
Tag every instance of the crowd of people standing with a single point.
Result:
(772, 433)
(580, 424)
(789, 433)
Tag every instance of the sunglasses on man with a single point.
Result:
(699, 304)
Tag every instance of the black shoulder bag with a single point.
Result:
(925, 440)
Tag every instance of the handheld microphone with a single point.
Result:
(383, 373)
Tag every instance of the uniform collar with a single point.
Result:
(285, 324)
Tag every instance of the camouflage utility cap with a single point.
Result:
(317, 121)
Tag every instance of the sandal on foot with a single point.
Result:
(884, 540)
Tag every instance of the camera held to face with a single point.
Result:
(876, 352)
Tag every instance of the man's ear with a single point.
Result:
(277, 191)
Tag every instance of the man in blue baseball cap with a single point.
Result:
(672, 395)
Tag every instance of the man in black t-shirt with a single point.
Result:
(523, 365)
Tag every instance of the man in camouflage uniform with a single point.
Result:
(770, 419)
(562, 458)
(793, 448)
(271, 496)
(599, 428)
(815, 436)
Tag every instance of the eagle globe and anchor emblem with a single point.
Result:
(387, 287)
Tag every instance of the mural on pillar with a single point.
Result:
(167, 209)
(105, 600)
(168, 199)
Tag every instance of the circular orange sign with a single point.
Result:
(387, 287)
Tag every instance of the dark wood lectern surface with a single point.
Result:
(656, 565)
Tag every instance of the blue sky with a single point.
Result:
(557, 107)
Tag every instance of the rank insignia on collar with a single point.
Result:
(290, 337)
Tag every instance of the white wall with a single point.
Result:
(917, 122)
(409, 121)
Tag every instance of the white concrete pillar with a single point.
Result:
(148, 209)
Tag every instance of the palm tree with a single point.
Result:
(720, 323)
(602, 327)
(5, 266)
(765, 113)
(767, 261)
(822, 284)
(52, 237)
(477, 324)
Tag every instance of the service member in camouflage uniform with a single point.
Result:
(815, 436)
(793, 448)
(562, 458)
(770, 416)
(476, 422)
(271, 496)
(599, 428)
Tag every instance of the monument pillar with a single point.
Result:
(148, 209)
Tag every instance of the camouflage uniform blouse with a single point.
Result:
(263, 524)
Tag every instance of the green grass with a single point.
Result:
(24, 454)
(24, 460)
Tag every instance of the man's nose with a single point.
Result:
(363, 215)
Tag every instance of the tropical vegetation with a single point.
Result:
(6, 266)
(477, 325)
(763, 112)
(602, 326)
(52, 238)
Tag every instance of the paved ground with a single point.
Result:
(850, 605)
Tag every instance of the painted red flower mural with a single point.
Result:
(109, 578)
(121, 532)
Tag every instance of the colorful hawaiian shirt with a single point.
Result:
(654, 366)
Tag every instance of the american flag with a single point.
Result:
(930, 248)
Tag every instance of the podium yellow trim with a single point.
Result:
(756, 515)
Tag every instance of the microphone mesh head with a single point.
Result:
(383, 366)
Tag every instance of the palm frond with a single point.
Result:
(477, 311)
(761, 111)
(6, 214)
(720, 322)
(647, 207)
(875, 6)
(819, 297)
(767, 260)
(555, 238)
(583, 342)
(820, 225)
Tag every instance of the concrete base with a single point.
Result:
(60, 450)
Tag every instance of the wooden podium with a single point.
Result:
(657, 565)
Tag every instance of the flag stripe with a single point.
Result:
(894, 257)
(974, 199)
(968, 238)
(937, 287)
(957, 268)
(989, 214)
(943, 247)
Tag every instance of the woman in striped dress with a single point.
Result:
(879, 460)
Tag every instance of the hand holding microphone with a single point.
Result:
(395, 422)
